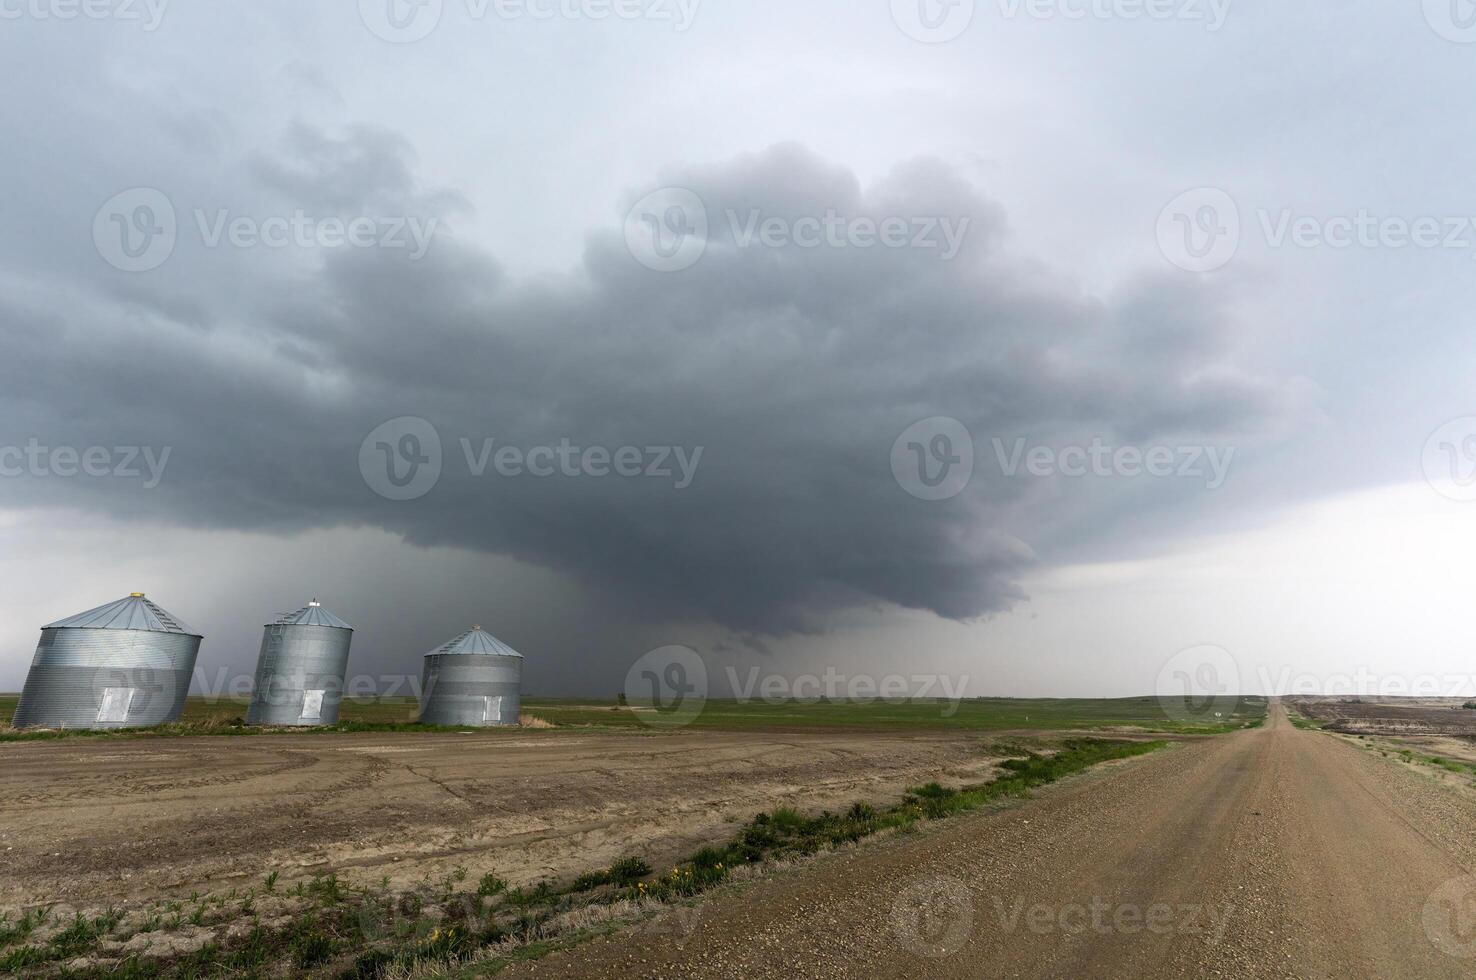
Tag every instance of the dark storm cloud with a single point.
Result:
(794, 368)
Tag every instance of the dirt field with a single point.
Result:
(1271, 852)
(91, 822)
(1390, 716)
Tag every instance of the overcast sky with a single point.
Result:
(1029, 343)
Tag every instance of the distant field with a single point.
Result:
(981, 714)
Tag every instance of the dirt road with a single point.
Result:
(1272, 852)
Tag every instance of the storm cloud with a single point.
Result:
(790, 367)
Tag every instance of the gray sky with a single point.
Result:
(1218, 263)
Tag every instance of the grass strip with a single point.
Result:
(367, 934)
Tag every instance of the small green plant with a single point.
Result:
(271, 882)
(625, 872)
(786, 818)
(327, 888)
(489, 885)
(310, 945)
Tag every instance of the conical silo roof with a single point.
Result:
(312, 614)
(132, 612)
(476, 641)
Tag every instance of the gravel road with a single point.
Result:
(1272, 852)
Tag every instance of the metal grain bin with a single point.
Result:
(127, 664)
(299, 675)
(474, 680)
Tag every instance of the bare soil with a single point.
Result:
(1390, 716)
(90, 823)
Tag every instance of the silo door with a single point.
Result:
(312, 706)
(115, 702)
(493, 709)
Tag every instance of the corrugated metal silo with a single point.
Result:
(474, 679)
(299, 675)
(127, 664)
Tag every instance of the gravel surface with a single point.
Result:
(1272, 852)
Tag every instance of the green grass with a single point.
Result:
(783, 832)
(1303, 722)
(974, 714)
(223, 716)
(338, 930)
(1439, 762)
